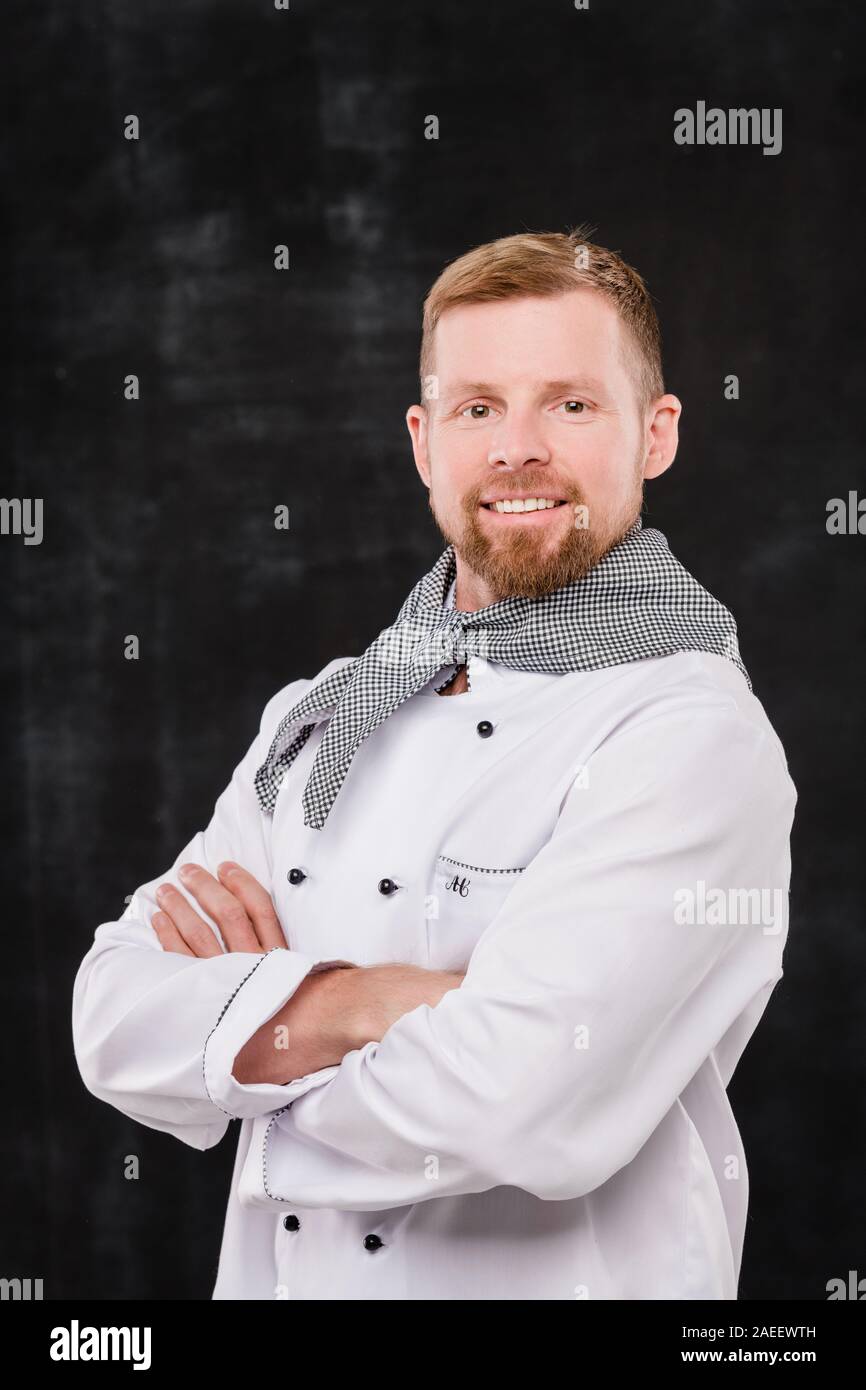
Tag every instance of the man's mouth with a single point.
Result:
(523, 506)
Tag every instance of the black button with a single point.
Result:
(291, 1223)
(372, 1242)
(387, 885)
(484, 728)
(296, 875)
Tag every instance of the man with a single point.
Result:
(485, 918)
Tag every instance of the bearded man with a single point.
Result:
(430, 950)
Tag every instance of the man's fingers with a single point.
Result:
(194, 930)
(223, 906)
(241, 908)
(256, 900)
(169, 937)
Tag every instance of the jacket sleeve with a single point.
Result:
(156, 1033)
(592, 998)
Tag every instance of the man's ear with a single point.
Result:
(416, 423)
(662, 435)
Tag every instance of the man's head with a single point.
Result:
(540, 378)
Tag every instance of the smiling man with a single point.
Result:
(430, 948)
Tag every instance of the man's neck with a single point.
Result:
(457, 685)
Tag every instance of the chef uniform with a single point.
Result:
(585, 844)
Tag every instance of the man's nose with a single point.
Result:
(518, 442)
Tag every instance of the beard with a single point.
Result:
(522, 562)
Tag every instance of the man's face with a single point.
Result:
(536, 400)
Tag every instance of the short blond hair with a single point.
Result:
(550, 263)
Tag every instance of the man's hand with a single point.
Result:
(242, 909)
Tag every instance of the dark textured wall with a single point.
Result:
(261, 387)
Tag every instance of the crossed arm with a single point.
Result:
(387, 1065)
(332, 1012)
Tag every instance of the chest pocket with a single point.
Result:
(462, 902)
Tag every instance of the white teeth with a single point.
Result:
(524, 504)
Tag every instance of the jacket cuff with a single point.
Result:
(270, 982)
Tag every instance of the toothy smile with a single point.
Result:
(523, 504)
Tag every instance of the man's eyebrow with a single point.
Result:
(486, 388)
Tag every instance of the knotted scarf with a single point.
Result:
(637, 602)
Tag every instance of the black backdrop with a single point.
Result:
(260, 387)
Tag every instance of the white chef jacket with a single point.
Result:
(558, 1126)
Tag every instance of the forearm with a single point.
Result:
(333, 1013)
(309, 1032)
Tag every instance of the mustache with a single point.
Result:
(533, 487)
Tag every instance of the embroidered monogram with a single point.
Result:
(458, 885)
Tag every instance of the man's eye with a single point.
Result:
(477, 406)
